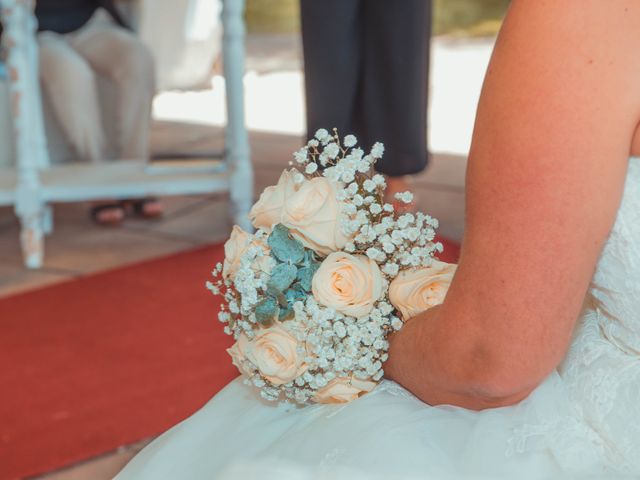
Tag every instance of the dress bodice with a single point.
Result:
(601, 372)
(616, 283)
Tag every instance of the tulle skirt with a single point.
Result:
(386, 434)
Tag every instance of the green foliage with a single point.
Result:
(290, 279)
(284, 247)
(450, 17)
(273, 16)
(282, 276)
(468, 17)
(266, 310)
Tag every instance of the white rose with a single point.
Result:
(343, 390)
(314, 215)
(238, 354)
(351, 284)
(416, 290)
(274, 351)
(267, 211)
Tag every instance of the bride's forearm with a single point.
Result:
(441, 367)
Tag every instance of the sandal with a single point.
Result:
(148, 208)
(107, 214)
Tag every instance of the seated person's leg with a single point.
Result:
(69, 84)
(120, 56)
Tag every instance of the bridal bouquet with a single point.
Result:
(330, 271)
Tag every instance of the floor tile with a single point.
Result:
(73, 250)
(444, 171)
(205, 222)
(16, 279)
(447, 207)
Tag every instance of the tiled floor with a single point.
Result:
(77, 247)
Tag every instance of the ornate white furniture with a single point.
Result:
(33, 184)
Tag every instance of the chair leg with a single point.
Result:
(241, 191)
(236, 139)
(32, 239)
(47, 219)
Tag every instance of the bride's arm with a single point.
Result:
(556, 119)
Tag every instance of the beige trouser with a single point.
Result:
(68, 67)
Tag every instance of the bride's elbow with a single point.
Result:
(497, 380)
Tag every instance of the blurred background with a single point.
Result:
(113, 338)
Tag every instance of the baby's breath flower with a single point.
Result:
(332, 150)
(405, 197)
(301, 156)
(391, 269)
(377, 150)
(373, 253)
(369, 185)
(350, 209)
(396, 323)
(388, 247)
(350, 141)
(348, 177)
(311, 168)
(321, 134)
(323, 159)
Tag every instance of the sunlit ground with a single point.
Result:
(275, 100)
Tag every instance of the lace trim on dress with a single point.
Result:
(601, 373)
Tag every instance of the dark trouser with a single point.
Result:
(366, 73)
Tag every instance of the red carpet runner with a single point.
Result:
(103, 361)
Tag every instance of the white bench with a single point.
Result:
(32, 183)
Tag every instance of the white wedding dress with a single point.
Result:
(582, 422)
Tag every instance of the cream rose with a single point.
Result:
(275, 352)
(314, 216)
(343, 390)
(238, 354)
(416, 290)
(267, 211)
(351, 284)
(238, 243)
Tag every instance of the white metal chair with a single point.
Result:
(32, 183)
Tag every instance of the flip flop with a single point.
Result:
(115, 220)
(139, 208)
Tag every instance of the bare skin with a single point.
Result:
(557, 120)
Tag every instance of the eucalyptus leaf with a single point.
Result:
(266, 310)
(284, 247)
(286, 314)
(305, 276)
(282, 300)
(309, 258)
(282, 276)
(295, 293)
